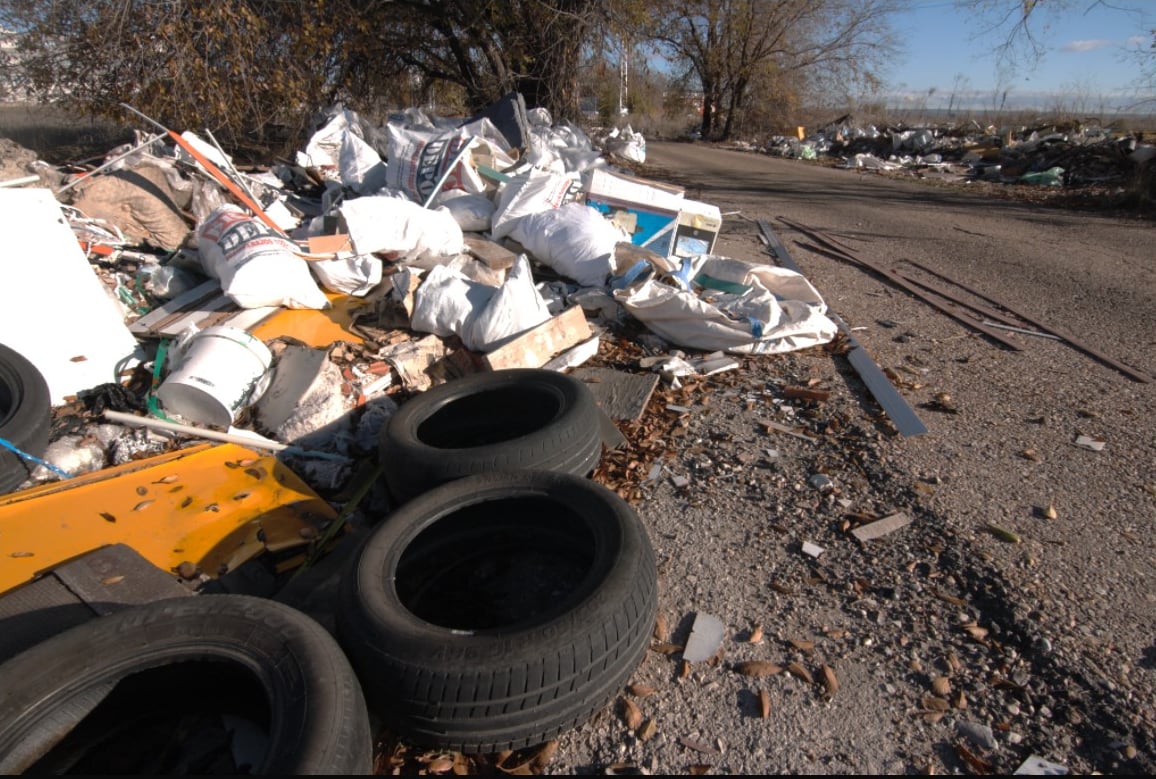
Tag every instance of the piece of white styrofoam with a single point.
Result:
(54, 310)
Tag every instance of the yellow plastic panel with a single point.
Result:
(212, 505)
(318, 329)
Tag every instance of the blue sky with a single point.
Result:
(1084, 64)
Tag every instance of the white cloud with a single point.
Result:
(1089, 45)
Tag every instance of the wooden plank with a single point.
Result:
(535, 347)
(172, 309)
(621, 395)
(491, 253)
(203, 306)
(881, 527)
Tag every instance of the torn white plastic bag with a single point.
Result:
(732, 306)
(401, 230)
(352, 274)
(626, 144)
(575, 240)
(484, 317)
(256, 266)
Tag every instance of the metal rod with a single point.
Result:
(1023, 330)
(906, 421)
(151, 140)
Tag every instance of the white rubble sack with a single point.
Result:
(528, 193)
(256, 266)
(422, 162)
(339, 148)
(484, 317)
(402, 230)
(472, 212)
(732, 306)
(574, 239)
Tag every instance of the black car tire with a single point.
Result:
(25, 416)
(523, 418)
(113, 695)
(499, 610)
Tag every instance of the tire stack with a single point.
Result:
(509, 597)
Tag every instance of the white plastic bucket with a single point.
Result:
(221, 371)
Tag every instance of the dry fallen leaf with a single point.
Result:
(953, 662)
(439, 765)
(107, 517)
(941, 686)
(756, 636)
(800, 672)
(172, 477)
(666, 649)
(975, 631)
(802, 645)
(758, 668)
(1003, 534)
(977, 763)
(544, 755)
(144, 504)
(830, 681)
(641, 690)
(684, 669)
(764, 704)
(932, 717)
(698, 769)
(631, 714)
(660, 630)
(112, 580)
(697, 745)
(961, 700)
(932, 703)
(648, 729)
(1050, 511)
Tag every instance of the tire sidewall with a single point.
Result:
(26, 422)
(318, 720)
(368, 588)
(570, 441)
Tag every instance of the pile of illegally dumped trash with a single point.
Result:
(1057, 154)
(289, 308)
(205, 371)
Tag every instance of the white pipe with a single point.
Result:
(19, 182)
(215, 435)
(199, 432)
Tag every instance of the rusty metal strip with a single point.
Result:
(839, 254)
(1132, 373)
(895, 405)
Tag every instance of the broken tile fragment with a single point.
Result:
(705, 638)
(812, 549)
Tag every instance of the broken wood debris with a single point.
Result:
(881, 527)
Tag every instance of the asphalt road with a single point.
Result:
(1020, 604)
